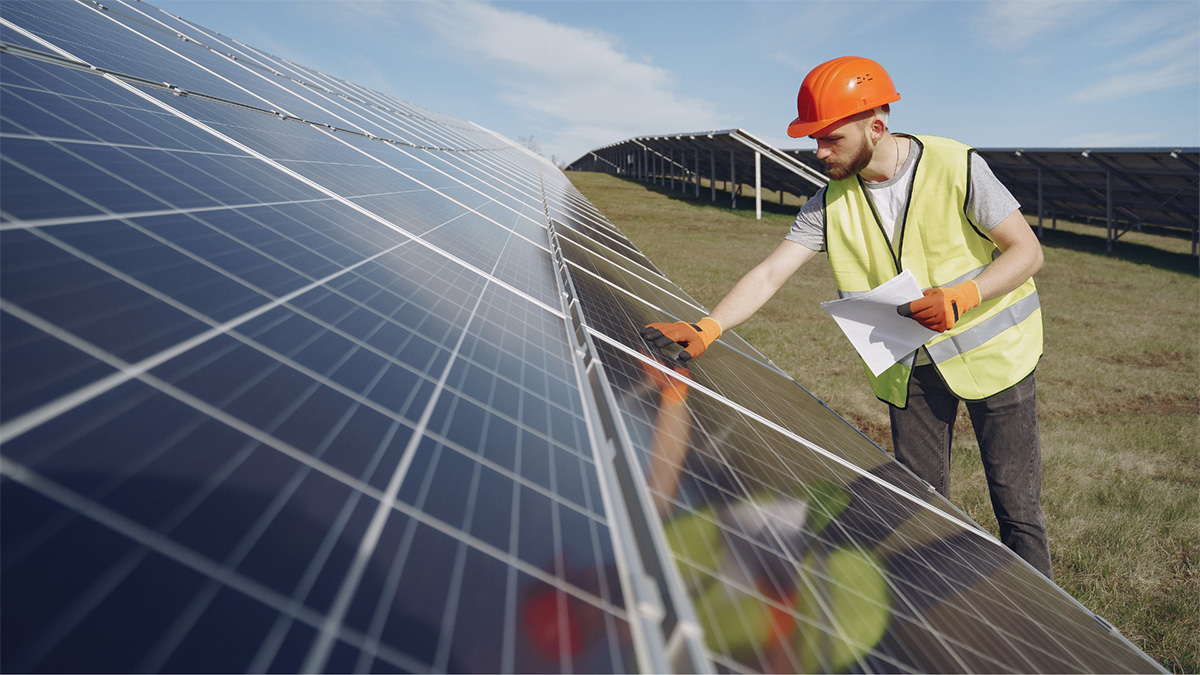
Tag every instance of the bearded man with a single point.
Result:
(931, 206)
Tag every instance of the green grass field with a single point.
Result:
(1117, 390)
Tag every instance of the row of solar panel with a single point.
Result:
(292, 380)
(309, 336)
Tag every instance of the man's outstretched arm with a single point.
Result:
(749, 294)
(760, 284)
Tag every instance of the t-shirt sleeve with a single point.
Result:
(809, 228)
(990, 202)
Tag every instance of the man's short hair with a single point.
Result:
(883, 111)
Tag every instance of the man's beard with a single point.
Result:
(860, 160)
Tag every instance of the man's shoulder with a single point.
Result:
(812, 213)
(817, 201)
(929, 141)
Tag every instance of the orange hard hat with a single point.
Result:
(838, 89)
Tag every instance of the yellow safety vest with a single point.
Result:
(995, 345)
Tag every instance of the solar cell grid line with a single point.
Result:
(609, 310)
(57, 22)
(284, 100)
(579, 215)
(153, 235)
(716, 634)
(615, 271)
(876, 453)
(604, 244)
(318, 109)
(859, 469)
(459, 399)
(17, 426)
(254, 153)
(319, 653)
(574, 214)
(147, 25)
(571, 215)
(325, 178)
(301, 100)
(949, 642)
(663, 625)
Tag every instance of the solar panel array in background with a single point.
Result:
(298, 376)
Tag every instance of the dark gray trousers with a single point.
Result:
(1006, 427)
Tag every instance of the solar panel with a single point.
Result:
(299, 376)
(730, 157)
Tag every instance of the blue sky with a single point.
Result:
(585, 73)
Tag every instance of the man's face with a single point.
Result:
(844, 147)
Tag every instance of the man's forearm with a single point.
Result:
(754, 289)
(746, 297)
(1020, 259)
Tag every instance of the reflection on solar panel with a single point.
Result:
(298, 376)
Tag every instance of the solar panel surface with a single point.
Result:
(298, 376)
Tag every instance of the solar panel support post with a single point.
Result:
(1041, 230)
(757, 185)
(671, 166)
(712, 174)
(696, 175)
(732, 181)
(1108, 209)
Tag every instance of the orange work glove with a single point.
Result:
(695, 337)
(941, 308)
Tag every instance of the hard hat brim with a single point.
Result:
(799, 128)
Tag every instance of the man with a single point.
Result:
(932, 206)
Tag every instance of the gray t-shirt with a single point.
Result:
(989, 202)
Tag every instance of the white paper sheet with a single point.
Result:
(881, 336)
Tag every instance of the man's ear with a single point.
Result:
(878, 129)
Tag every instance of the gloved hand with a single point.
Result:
(941, 308)
(695, 337)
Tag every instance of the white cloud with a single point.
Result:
(1131, 84)
(1146, 20)
(1014, 24)
(580, 78)
(1165, 64)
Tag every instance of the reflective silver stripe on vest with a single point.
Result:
(980, 334)
(969, 275)
(966, 277)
